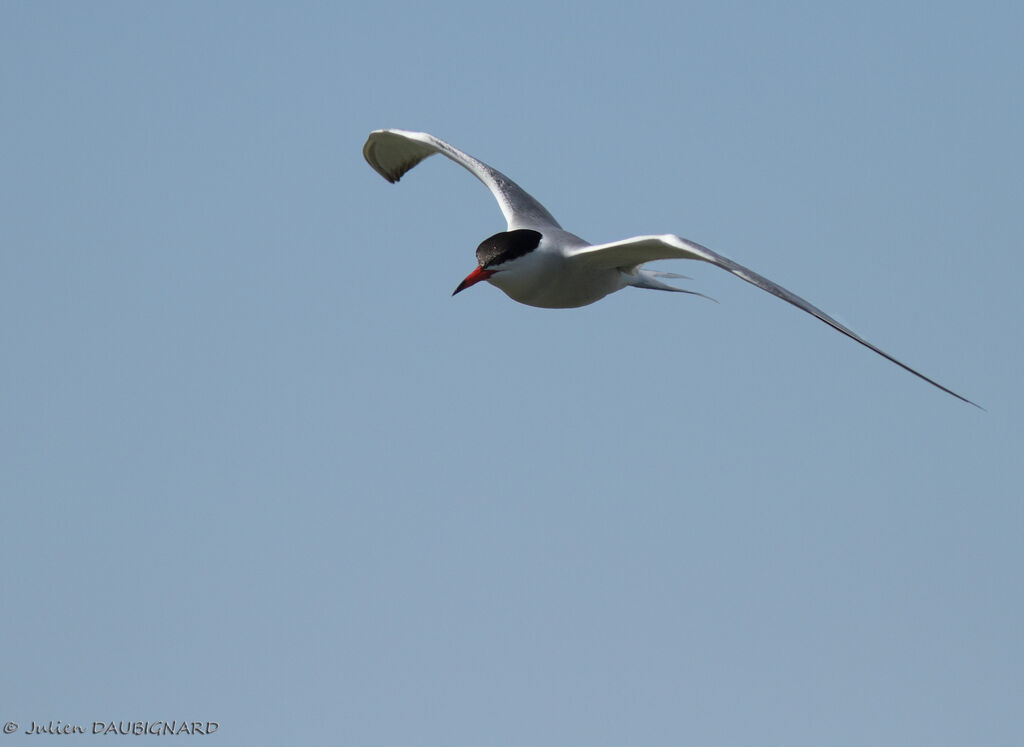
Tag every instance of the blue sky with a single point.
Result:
(259, 468)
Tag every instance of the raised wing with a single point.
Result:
(629, 253)
(393, 152)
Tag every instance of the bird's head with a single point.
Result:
(496, 251)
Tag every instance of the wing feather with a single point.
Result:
(630, 253)
(392, 153)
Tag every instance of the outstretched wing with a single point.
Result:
(393, 152)
(629, 253)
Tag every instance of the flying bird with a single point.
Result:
(538, 263)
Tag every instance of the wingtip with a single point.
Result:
(369, 154)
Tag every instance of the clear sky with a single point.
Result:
(259, 468)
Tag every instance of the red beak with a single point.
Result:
(473, 278)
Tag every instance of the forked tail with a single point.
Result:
(641, 278)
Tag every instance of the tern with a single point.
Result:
(538, 263)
